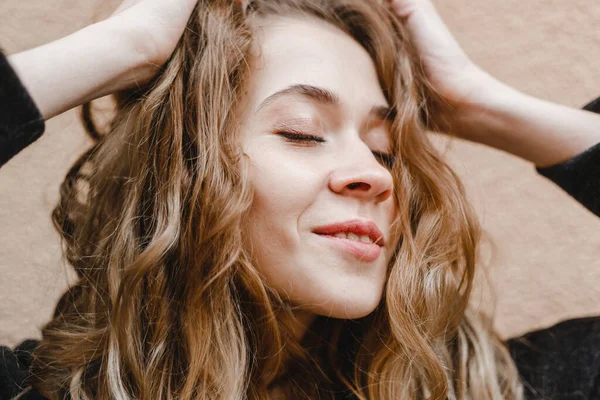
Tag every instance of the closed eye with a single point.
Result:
(385, 159)
(297, 137)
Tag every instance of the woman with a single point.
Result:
(267, 219)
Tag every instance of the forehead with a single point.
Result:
(307, 51)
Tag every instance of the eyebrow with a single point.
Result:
(324, 96)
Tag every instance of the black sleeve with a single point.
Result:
(580, 176)
(20, 120)
(561, 362)
(14, 371)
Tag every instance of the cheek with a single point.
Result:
(392, 211)
(281, 191)
(281, 195)
(394, 234)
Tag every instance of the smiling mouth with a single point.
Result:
(353, 236)
(358, 230)
(366, 251)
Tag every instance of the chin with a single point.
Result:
(354, 307)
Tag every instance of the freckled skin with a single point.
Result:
(299, 186)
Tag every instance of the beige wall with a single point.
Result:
(547, 266)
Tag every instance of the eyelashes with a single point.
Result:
(295, 136)
(385, 159)
(307, 140)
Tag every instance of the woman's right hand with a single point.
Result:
(123, 51)
(454, 77)
(154, 28)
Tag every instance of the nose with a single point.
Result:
(362, 176)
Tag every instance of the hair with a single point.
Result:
(168, 304)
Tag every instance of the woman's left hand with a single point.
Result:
(455, 79)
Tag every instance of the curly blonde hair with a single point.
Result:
(169, 305)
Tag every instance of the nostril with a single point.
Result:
(356, 185)
(384, 196)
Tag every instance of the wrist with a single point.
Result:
(466, 112)
(478, 117)
(533, 129)
(131, 53)
(90, 63)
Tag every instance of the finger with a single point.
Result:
(425, 23)
(405, 8)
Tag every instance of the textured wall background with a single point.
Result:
(547, 262)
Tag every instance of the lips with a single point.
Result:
(357, 227)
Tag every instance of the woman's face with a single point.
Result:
(314, 119)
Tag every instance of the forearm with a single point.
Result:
(539, 131)
(83, 66)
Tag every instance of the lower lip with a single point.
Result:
(368, 252)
